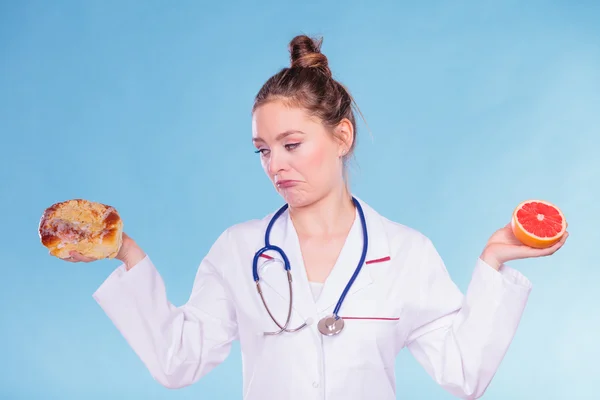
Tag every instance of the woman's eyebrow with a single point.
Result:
(279, 137)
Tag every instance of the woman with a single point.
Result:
(304, 131)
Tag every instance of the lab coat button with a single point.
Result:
(315, 384)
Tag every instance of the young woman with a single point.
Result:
(363, 287)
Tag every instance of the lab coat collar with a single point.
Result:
(377, 251)
(285, 235)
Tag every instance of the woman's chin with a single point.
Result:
(294, 197)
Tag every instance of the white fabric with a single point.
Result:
(407, 301)
(316, 288)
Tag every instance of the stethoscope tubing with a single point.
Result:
(363, 257)
(286, 264)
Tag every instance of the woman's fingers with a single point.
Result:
(76, 257)
(549, 250)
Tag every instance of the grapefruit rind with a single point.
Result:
(529, 238)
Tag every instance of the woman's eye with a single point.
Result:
(292, 146)
(261, 151)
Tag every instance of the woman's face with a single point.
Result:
(299, 155)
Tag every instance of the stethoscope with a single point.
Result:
(329, 325)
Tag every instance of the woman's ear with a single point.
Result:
(344, 132)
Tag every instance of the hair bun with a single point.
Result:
(305, 52)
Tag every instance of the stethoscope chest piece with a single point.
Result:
(330, 326)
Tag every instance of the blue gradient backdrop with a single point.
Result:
(472, 107)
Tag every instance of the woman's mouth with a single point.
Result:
(287, 183)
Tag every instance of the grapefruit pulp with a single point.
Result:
(538, 223)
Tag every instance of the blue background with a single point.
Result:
(472, 107)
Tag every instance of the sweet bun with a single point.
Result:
(89, 228)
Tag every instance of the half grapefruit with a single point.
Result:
(538, 223)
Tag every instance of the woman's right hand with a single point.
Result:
(129, 253)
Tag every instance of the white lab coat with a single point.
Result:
(403, 297)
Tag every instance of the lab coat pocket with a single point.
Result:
(369, 327)
(369, 337)
(372, 318)
(371, 311)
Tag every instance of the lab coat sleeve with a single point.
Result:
(178, 345)
(459, 339)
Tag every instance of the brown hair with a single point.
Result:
(308, 83)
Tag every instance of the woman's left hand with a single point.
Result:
(503, 246)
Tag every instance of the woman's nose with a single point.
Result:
(277, 162)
